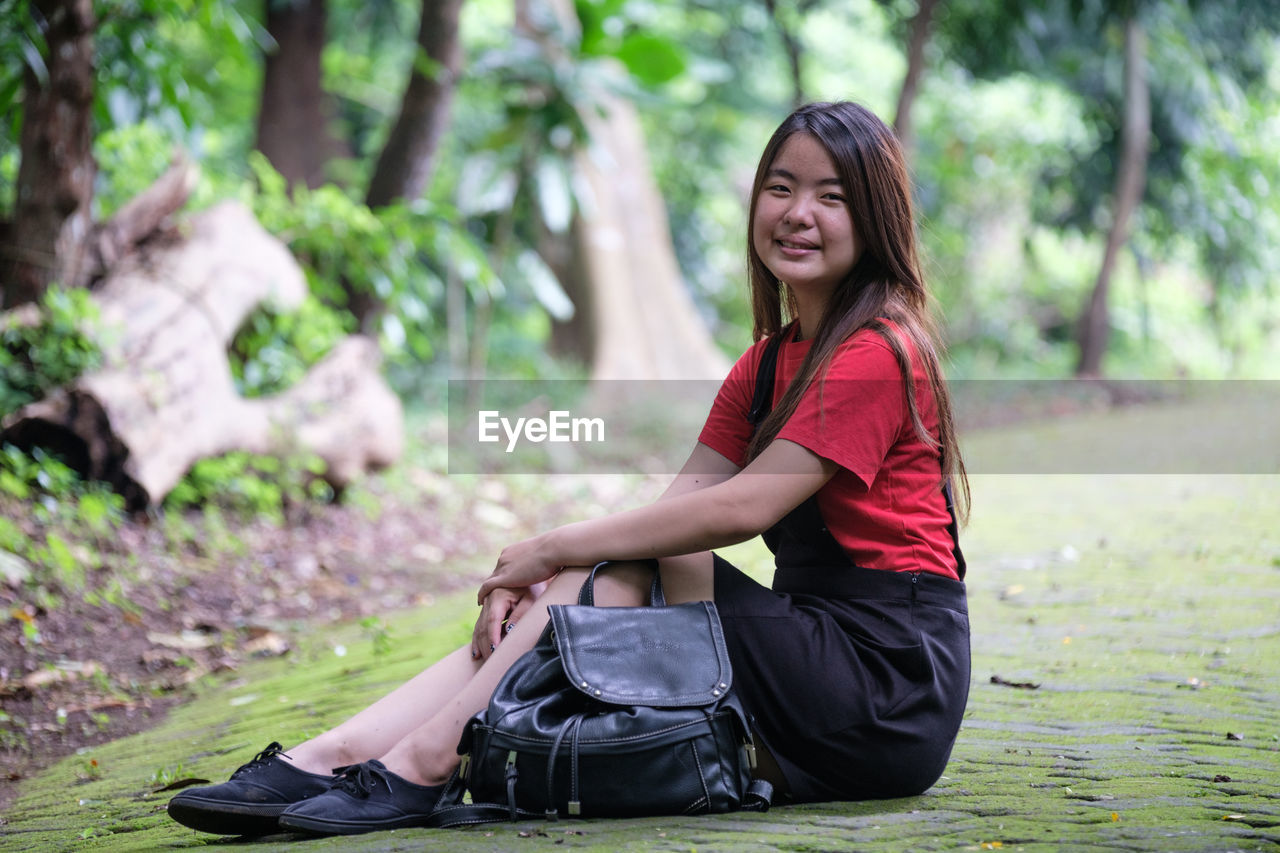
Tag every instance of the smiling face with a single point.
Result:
(802, 229)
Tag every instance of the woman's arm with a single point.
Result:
(704, 467)
(699, 512)
(501, 607)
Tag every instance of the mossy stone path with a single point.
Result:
(1146, 609)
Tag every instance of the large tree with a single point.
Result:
(635, 318)
(294, 112)
(1130, 179)
(294, 122)
(49, 236)
(919, 28)
(404, 167)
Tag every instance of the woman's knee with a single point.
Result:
(689, 577)
(621, 583)
(626, 583)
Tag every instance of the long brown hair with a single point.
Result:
(885, 283)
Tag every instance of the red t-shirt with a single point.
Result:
(884, 505)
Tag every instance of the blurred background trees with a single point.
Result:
(1096, 177)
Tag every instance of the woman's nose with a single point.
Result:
(800, 212)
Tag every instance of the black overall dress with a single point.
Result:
(856, 678)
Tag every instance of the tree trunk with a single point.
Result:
(164, 397)
(1131, 177)
(293, 113)
(791, 46)
(575, 337)
(919, 27)
(633, 313)
(51, 218)
(644, 322)
(404, 166)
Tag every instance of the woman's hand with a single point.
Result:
(499, 612)
(520, 565)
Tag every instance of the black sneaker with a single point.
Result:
(364, 798)
(251, 801)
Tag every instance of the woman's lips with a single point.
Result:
(795, 248)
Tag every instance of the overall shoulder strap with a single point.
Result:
(762, 399)
(954, 529)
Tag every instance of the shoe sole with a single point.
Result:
(227, 818)
(320, 826)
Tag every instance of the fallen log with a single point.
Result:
(143, 216)
(164, 397)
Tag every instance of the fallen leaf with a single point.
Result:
(181, 783)
(1234, 736)
(1222, 777)
(187, 640)
(1022, 685)
(1234, 817)
(269, 644)
(1010, 591)
(1115, 816)
(67, 671)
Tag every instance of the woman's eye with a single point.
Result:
(834, 197)
(777, 188)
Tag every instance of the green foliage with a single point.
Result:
(626, 30)
(273, 350)
(66, 524)
(170, 65)
(12, 734)
(249, 485)
(145, 65)
(56, 491)
(379, 633)
(402, 254)
(1206, 191)
(169, 773)
(38, 357)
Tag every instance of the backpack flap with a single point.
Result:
(663, 657)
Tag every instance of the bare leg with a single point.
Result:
(371, 732)
(428, 754)
(416, 727)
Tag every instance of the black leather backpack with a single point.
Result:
(616, 712)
